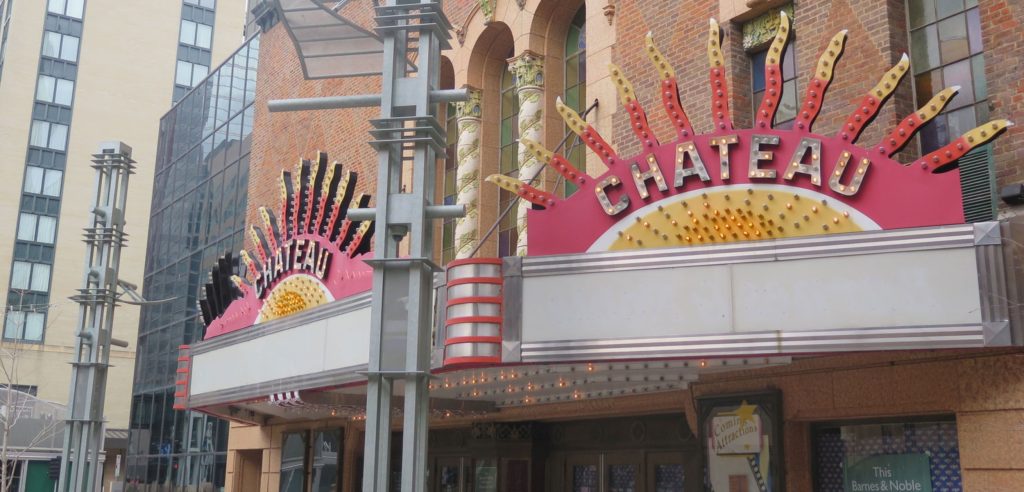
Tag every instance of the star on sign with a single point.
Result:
(745, 412)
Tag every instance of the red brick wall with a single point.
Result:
(877, 38)
(875, 43)
(680, 31)
(281, 139)
(1003, 37)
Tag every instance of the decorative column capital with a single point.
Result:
(470, 108)
(759, 31)
(528, 68)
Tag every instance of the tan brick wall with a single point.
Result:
(983, 389)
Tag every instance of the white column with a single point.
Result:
(529, 71)
(467, 176)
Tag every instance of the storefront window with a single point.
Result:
(892, 456)
(449, 478)
(622, 478)
(293, 461)
(584, 478)
(327, 455)
(485, 475)
(668, 478)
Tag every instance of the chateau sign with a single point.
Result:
(732, 184)
(305, 255)
(301, 255)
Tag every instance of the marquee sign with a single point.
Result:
(312, 255)
(747, 184)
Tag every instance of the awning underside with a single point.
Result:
(328, 44)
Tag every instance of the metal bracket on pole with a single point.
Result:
(432, 211)
(358, 101)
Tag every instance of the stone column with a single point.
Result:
(467, 175)
(529, 78)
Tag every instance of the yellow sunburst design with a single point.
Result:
(737, 214)
(291, 295)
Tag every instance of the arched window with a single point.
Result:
(508, 162)
(575, 92)
(449, 191)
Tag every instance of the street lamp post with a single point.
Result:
(97, 298)
(407, 135)
(407, 132)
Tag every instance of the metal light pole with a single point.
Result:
(104, 237)
(406, 135)
(406, 132)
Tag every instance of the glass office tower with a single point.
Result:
(198, 214)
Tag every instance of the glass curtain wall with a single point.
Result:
(197, 215)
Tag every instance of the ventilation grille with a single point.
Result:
(978, 185)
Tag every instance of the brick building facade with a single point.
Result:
(878, 34)
(978, 391)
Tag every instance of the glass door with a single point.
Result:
(666, 472)
(623, 472)
(450, 476)
(583, 473)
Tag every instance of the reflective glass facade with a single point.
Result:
(197, 215)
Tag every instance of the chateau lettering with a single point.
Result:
(806, 161)
(297, 255)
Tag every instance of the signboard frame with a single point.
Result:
(767, 406)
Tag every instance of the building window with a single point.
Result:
(54, 90)
(70, 8)
(209, 4)
(327, 454)
(30, 276)
(29, 389)
(786, 113)
(48, 135)
(62, 46)
(946, 50)
(450, 192)
(190, 74)
(575, 92)
(41, 181)
(37, 228)
(195, 34)
(24, 325)
(508, 163)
